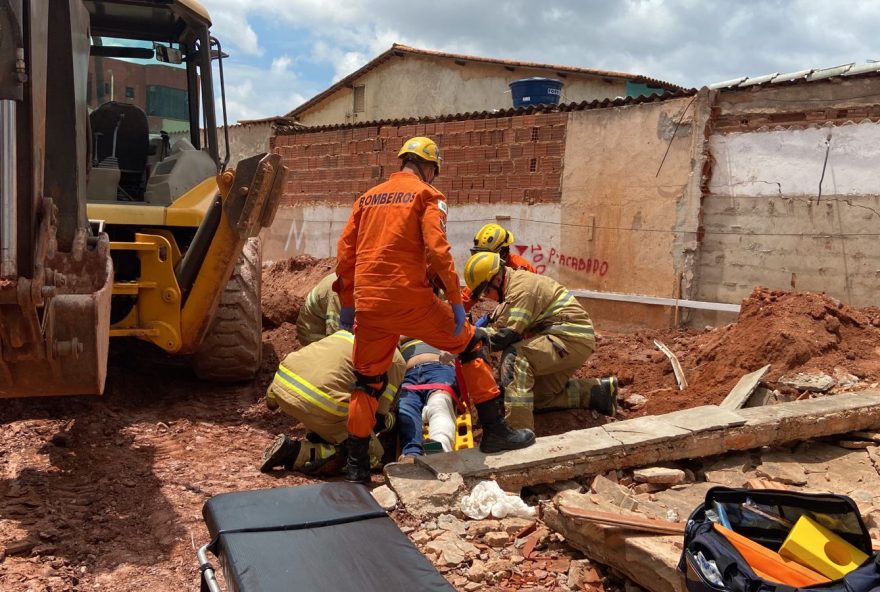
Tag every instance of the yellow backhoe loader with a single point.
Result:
(119, 217)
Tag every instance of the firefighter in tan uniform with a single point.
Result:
(545, 336)
(319, 315)
(313, 385)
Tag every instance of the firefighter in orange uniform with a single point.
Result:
(396, 231)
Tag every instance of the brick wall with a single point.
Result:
(515, 159)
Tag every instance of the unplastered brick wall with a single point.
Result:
(513, 159)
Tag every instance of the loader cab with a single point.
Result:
(152, 123)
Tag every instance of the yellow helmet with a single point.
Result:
(492, 237)
(479, 271)
(424, 148)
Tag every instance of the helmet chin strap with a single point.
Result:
(421, 170)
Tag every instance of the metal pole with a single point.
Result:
(8, 215)
(207, 569)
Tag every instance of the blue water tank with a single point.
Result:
(535, 91)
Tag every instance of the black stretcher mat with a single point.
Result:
(330, 536)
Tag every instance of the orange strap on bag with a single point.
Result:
(770, 565)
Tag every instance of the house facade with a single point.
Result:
(405, 82)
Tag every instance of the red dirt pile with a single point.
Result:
(793, 332)
(286, 283)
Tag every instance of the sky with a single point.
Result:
(283, 52)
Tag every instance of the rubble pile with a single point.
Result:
(506, 554)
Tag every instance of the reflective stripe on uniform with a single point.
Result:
(520, 313)
(556, 306)
(309, 392)
(519, 395)
(570, 330)
(389, 393)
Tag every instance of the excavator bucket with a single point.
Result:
(55, 276)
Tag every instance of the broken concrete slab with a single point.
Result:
(385, 497)
(423, 494)
(810, 382)
(648, 560)
(617, 495)
(788, 472)
(451, 549)
(703, 419)
(659, 475)
(744, 389)
(732, 470)
(644, 430)
(831, 468)
(677, 503)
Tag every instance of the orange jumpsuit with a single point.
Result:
(513, 261)
(396, 231)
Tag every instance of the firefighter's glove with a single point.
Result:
(483, 321)
(503, 338)
(460, 318)
(384, 423)
(346, 317)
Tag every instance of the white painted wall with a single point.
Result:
(314, 229)
(764, 223)
(789, 162)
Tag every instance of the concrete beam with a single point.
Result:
(691, 433)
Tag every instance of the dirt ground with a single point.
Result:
(105, 493)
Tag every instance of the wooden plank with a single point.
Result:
(743, 389)
(620, 520)
(676, 365)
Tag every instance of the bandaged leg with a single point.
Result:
(439, 414)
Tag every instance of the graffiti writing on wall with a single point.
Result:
(541, 257)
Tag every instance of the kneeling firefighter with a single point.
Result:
(313, 385)
(395, 232)
(545, 335)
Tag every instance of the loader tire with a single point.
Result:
(232, 350)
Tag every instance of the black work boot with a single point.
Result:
(497, 434)
(282, 452)
(603, 396)
(357, 469)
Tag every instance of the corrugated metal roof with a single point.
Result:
(800, 76)
(398, 49)
(582, 106)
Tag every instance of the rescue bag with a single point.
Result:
(764, 554)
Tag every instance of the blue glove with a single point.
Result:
(346, 317)
(483, 321)
(460, 317)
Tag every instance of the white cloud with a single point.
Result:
(235, 34)
(690, 42)
(254, 93)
